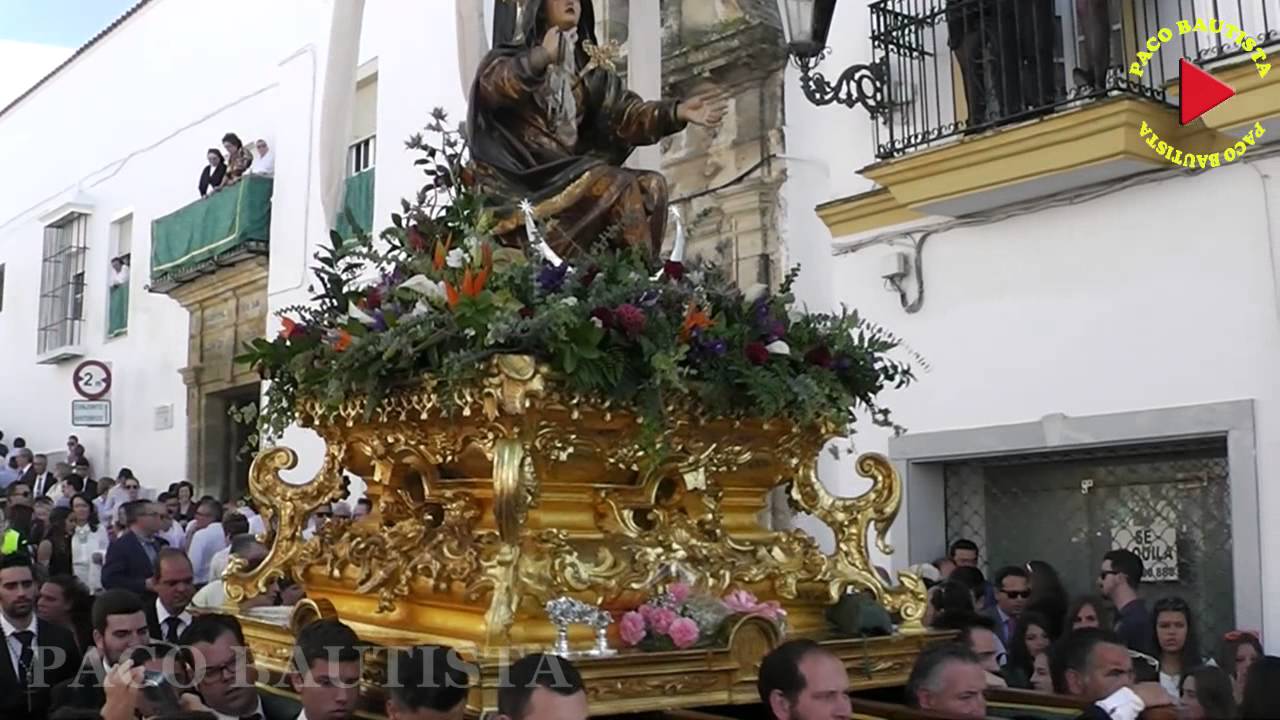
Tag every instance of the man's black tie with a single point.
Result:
(26, 656)
(171, 630)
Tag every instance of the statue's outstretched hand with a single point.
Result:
(706, 110)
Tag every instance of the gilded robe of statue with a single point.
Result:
(559, 138)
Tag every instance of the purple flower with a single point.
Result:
(842, 363)
(551, 277)
(379, 321)
(775, 330)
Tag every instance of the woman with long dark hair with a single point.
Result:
(1173, 634)
(1048, 597)
(65, 601)
(1031, 638)
(1087, 611)
(54, 551)
(1261, 701)
(89, 540)
(1239, 650)
(947, 598)
(238, 159)
(1206, 694)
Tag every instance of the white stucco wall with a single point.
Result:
(125, 128)
(1157, 296)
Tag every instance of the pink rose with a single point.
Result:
(661, 620)
(744, 603)
(679, 592)
(684, 633)
(632, 628)
(646, 611)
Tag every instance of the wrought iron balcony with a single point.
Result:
(961, 67)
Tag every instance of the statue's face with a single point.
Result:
(564, 14)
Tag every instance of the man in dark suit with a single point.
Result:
(36, 475)
(131, 559)
(119, 626)
(215, 642)
(1013, 592)
(35, 654)
(174, 586)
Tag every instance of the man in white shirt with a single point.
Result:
(207, 539)
(266, 162)
(233, 524)
(173, 585)
(170, 531)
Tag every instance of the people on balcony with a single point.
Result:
(239, 160)
(1005, 52)
(266, 162)
(212, 175)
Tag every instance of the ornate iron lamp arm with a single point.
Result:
(858, 85)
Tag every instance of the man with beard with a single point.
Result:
(119, 625)
(35, 654)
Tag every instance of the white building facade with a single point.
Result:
(1100, 327)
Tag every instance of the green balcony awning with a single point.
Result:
(117, 310)
(358, 201)
(211, 232)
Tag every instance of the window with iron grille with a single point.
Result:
(62, 284)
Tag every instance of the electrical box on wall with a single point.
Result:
(895, 266)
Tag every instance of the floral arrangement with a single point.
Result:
(435, 295)
(679, 619)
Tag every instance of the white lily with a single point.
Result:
(456, 258)
(424, 286)
(420, 309)
(535, 235)
(778, 347)
(569, 301)
(755, 292)
(360, 316)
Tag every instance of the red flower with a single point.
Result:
(373, 300)
(526, 312)
(630, 319)
(590, 276)
(605, 316)
(417, 242)
(290, 328)
(673, 270)
(819, 356)
(756, 353)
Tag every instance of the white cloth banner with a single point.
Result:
(335, 106)
(473, 40)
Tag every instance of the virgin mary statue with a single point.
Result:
(552, 122)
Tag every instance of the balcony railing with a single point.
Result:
(214, 232)
(960, 67)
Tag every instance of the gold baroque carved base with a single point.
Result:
(490, 501)
(633, 681)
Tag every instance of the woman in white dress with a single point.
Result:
(88, 543)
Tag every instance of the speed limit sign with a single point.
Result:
(92, 380)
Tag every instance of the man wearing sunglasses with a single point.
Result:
(1118, 580)
(1013, 591)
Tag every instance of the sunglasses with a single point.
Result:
(324, 514)
(1016, 594)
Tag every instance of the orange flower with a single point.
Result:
(451, 294)
(442, 251)
(694, 319)
(343, 341)
(287, 327)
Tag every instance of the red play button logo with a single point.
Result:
(1200, 92)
